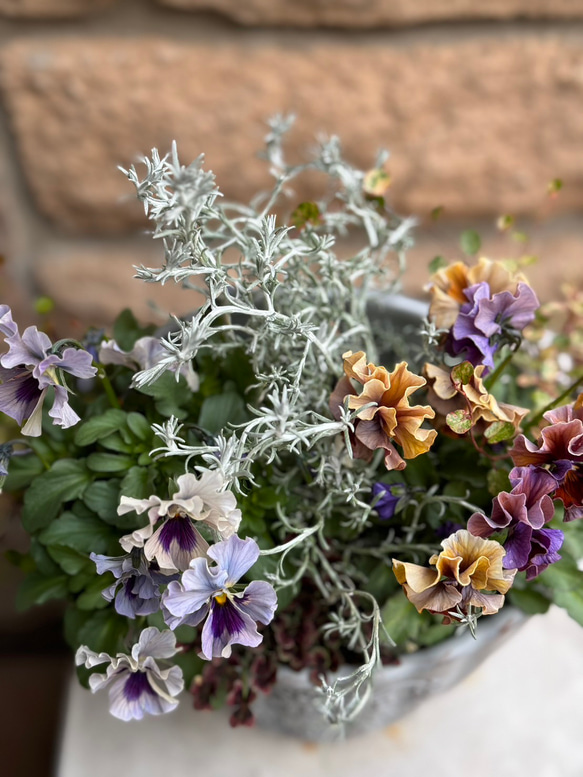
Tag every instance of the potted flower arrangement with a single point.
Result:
(295, 477)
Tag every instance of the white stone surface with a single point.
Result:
(520, 714)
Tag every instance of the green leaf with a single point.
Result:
(470, 242)
(498, 481)
(71, 561)
(306, 213)
(22, 471)
(139, 426)
(104, 632)
(38, 589)
(99, 427)
(170, 394)
(400, 618)
(83, 534)
(115, 442)
(73, 622)
(102, 497)
(91, 598)
(138, 483)
(43, 562)
(499, 431)
(126, 330)
(528, 600)
(109, 462)
(566, 582)
(462, 373)
(191, 666)
(459, 421)
(221, 409)
(436, 264)
(65, 481)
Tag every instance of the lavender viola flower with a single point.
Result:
(136, 589)
(485, 320)
(32, 366)
(204, 591)
(532, 550)
(388, 497)
(145, 354)
(176, 542)
(143, 682)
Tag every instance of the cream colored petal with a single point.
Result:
(417, 577)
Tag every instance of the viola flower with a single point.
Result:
(487, 319)
(447, 287)
(141, 683)
(390, 418)
(532, 550)
(204, 591)
(560, 451)
(176, 542)
(528, 503)
(389, 495)
(447, 396)
(466, 570)
(136, 589)
(32, 366)
(145, 354)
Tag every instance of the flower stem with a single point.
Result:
(565, 395)
(111, 395)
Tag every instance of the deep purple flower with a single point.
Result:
(528, 502)
(389, 495)
(532, 550)
(205, 591)
(29, 369)
(143, 682)
(136, 589)
(485, 320)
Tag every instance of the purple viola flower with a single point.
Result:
(136, 589)
(144, 682)
(388, 497)
(205, 592)
(485, 320)
(532, 550)
(175, 541)
(528, 503)
(29, 369)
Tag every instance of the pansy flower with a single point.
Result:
(389, 418)
(448, 286)
(560, 452)
(30, 368)
(211, 593)
(175, 541)
(388, 496)
(143, 682)
(468, 572)
(136, 590)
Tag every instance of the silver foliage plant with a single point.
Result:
(286, 297)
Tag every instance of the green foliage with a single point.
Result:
(67, 479)
(82, 534)
(470, 242)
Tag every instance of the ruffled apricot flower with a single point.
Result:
(389, 418)
(467, 573)
(464, 404)
(447, 287)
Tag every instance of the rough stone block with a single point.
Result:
(47, 9)
(375, 13)
(478, 126)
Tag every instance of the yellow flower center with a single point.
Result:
(221, 598)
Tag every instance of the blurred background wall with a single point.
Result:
(478, 102)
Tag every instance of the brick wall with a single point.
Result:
(479, 104)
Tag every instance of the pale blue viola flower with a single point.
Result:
(209, 592)
(29, 369)
(170, 536)
(136, 590)
(142, 683)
